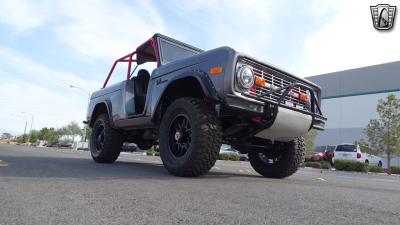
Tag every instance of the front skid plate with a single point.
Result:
(287, 126)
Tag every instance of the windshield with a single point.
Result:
(320, 149)
(171, 52)
(346, 148)
(330, 148)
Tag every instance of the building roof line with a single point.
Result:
(354, 69)
(363, 93)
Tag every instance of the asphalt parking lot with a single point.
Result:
(50, 186)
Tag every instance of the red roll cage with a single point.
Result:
(146, 52)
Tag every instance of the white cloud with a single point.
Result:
(42, 91)
(107, 29)
(98, 29)
(24, 14)
(40, 73)
(241, 24)
(50, 108)
(94, 29)
(349, 40)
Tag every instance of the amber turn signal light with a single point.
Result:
(303, 97)
(216, 70)
(259, 81)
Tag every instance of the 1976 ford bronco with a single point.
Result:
(195, 100)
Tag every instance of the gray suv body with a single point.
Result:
(195, 100)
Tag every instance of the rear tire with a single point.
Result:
(190, 138)
(283, 162)
(105, 142)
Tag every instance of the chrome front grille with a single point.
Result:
(274, 80)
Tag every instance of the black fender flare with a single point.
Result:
(204, 80)
(202, 77)
(108, 106)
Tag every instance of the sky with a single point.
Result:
(45, 46)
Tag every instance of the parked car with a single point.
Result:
(194, 101)
(227, 149)
(324, 152)
(132, 148)
(65, 145)
(243, 157)
(129, 147)
(354, 153)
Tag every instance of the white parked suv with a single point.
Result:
(354, 153)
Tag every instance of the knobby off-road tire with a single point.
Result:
(105, 142)
(289, 157)
(190, 138)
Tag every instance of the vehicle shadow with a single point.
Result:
(86, 168)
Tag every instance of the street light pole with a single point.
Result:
(30, 132)
(88, 94)
(26, 123)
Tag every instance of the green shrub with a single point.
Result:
(227, 156)
(223, 156)
(313, 165)
(347, 165)
(395, 169)
(375, 169)
(234, 157)
(325, 165)
(151, 152)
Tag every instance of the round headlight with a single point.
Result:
(245, 77)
